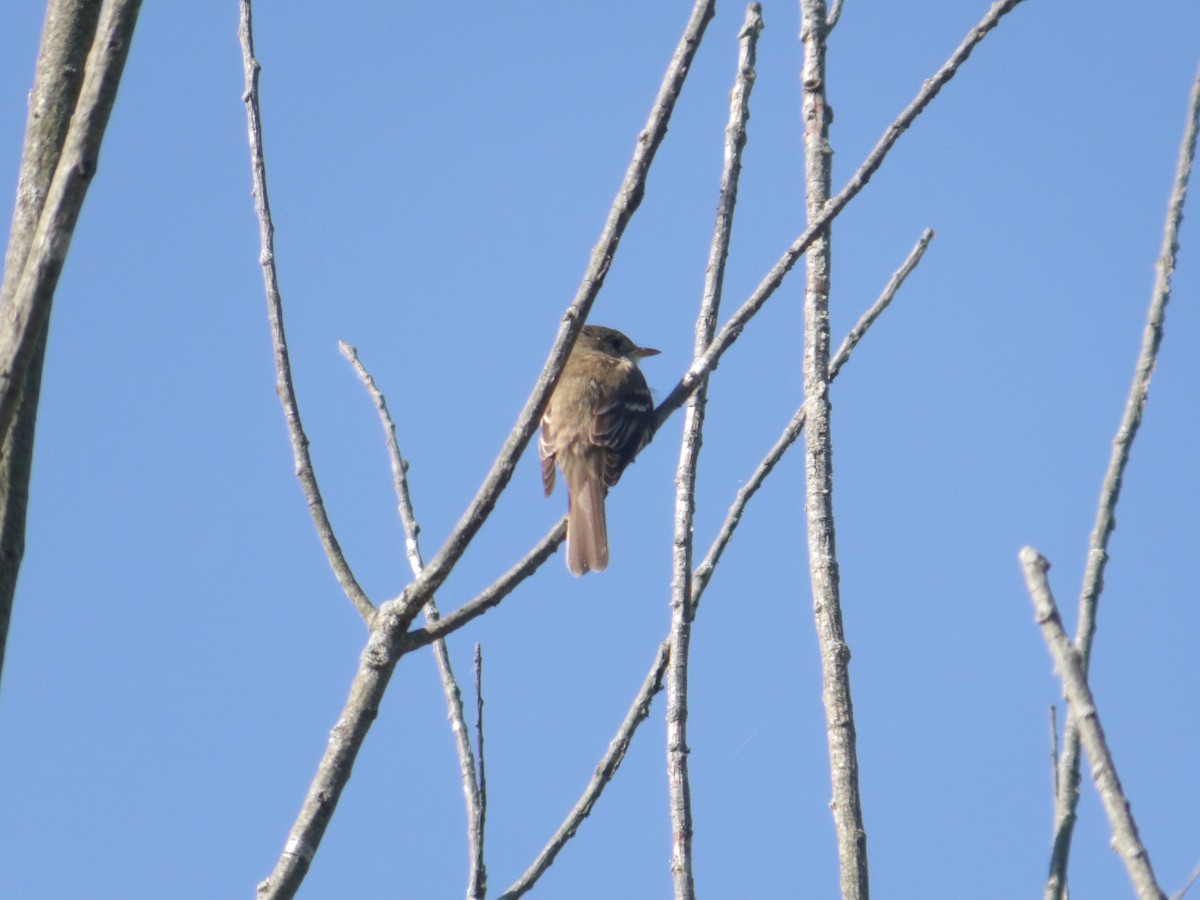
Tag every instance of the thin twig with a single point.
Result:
(1069, 665)
(1067, 798)
(399, 466)
(24, 315)
(846, 803)
(680, 799)
(478, 883)
(855, 334)
(1182, 892)
(733, 327)
(638, 712)
(389, 640)
(1135, 406)
(704, 571)
(493, 594)
(477, 876)
(835, 13)
(283, 369)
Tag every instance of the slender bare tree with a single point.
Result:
(84, 47)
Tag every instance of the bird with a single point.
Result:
(600, 415)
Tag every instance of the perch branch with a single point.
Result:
(702, 573)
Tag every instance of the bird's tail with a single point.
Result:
(587, 528)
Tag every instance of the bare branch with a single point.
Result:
(83, 53)
(733, 327)
(24, 314)
(818, 464)
(728, 334)
(412, 530)
(478, 882)
(1135, 406)
(67, 35)
(283, 368)
(1069, 665)
(735, 140)
(689, 452)
(1067, 797)
(883, 302)
(493, 594)
(638, 712)
(477, 877)
(835, 13)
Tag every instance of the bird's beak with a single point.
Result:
(643, 352)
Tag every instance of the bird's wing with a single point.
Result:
(621, 423)
(546, 449)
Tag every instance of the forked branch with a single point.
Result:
(1069, 665)
(471, 783)
(388, 638)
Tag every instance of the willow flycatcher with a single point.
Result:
(598, 418)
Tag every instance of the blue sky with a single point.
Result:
(180, 648)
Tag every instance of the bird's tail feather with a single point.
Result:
(587, 528)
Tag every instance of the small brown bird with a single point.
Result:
(598, 418)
